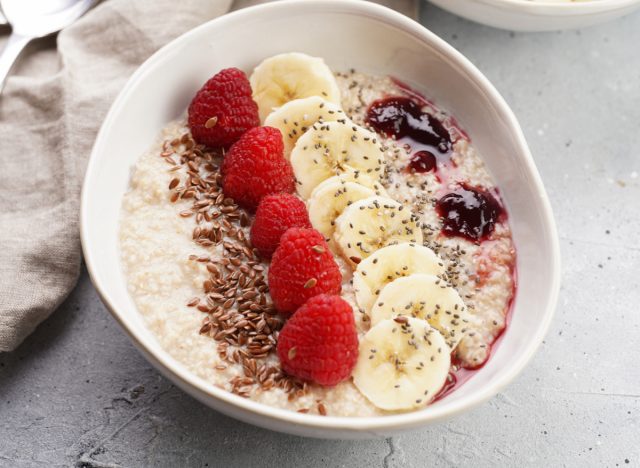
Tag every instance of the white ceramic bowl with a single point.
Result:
(347, 34)
(539, 15)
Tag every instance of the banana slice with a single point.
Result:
(330, 148)
(285, 77)
(297, 116)
(426, 297)
(402, 365)
(353, 175)
(389, 263)
(329, 200)
(372, 223)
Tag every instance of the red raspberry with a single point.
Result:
(255, 167)
(320, 342)
(302, 267)
(223, 109)
(275, 214)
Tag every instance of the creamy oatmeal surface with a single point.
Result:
(170, 248)
(483, 273)
(157, 253)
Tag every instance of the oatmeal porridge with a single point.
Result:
(349, 257)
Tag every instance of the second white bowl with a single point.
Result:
(538, 15)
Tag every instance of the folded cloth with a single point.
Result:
(48, 123)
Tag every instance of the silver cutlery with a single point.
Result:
(32, 19)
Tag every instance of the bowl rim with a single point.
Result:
(224, 399)
(550, 8)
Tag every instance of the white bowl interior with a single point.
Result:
(345, 34)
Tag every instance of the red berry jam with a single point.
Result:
(403, 118)
(469, 212)
(423, 161)
(447, 388)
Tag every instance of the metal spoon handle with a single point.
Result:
(11, 51)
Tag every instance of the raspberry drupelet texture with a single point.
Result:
(302, 267)
(255, 167)
(320, 343)
(223, 109)
(275, 214)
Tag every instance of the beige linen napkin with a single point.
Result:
(50, 112)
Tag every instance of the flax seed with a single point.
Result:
(211, 122)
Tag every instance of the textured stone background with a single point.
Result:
(77, 393)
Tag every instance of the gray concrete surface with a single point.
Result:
(77, 393)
